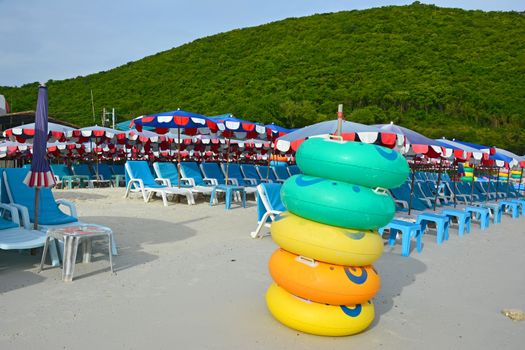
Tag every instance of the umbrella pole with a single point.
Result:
(454, 188)
(438, 182)
(497, 184)
(227, 161)
(472, 183)
(508, 182)
(411, 188)
(519, 183)
(178, 156)
(269, 161)
(35, 221)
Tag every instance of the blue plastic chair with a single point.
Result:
(191, 170)
(140, 180)
(213, 171)
(234, 172)
(266, 173)
(281, 172)
(294, 170)
(169, 173)
(269, 205)
(251, 172)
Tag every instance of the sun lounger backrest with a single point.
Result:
(294, 170)
(61, 170)
(103, 170)
(191, 170)
(281, 172)
(269, 199)
(19, 193)
(166, 170)
(212, 171)
(403, 193)
(266, 172)
(118, 169)
(82, 169)
(139, 169)
(250, 172)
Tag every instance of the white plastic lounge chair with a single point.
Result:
(269, 205)
(167, 173)
(22, 198)
(15, 237)
(140, 180)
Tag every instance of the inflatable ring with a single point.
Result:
(321, 282)
(333, 245)
(337, 203)
(354, 162)
(315, 318)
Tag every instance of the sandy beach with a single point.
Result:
(190, 277)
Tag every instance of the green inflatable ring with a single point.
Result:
(337, 203)
(354, 162)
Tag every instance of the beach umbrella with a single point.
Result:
(191, 123)
(26, 133)
(40, 175)
(477, 154)
(492, 157)
(350, 131)
(418, 144)
(513, 161)
(230, 127)
(101, 135)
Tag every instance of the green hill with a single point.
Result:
(443, 72)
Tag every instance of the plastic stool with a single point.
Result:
(408, 230)
(482, 214)
(513, 206)
(463, 219)
(441, 221)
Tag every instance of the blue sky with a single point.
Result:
(58, 39)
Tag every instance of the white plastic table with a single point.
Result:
(72, 236)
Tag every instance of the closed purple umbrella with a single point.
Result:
(40, 175)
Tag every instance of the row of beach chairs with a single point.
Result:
(164, 178)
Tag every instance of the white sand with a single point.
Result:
(192, 278)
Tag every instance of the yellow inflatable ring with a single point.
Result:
(315, 318)
(326, 243)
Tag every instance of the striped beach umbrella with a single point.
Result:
(40, 175)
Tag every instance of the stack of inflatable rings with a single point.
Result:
(515, 174)
(323, 273)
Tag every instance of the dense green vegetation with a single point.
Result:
(440, 71)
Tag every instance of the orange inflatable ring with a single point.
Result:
(322, 282)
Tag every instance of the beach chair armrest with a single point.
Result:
(188, 180)
(250, 180)
(404, 204)
(164, 181)
(211, 181)
(23, 214)
(159, 180)
(70, 205)
(15, 217)
(234, 182)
